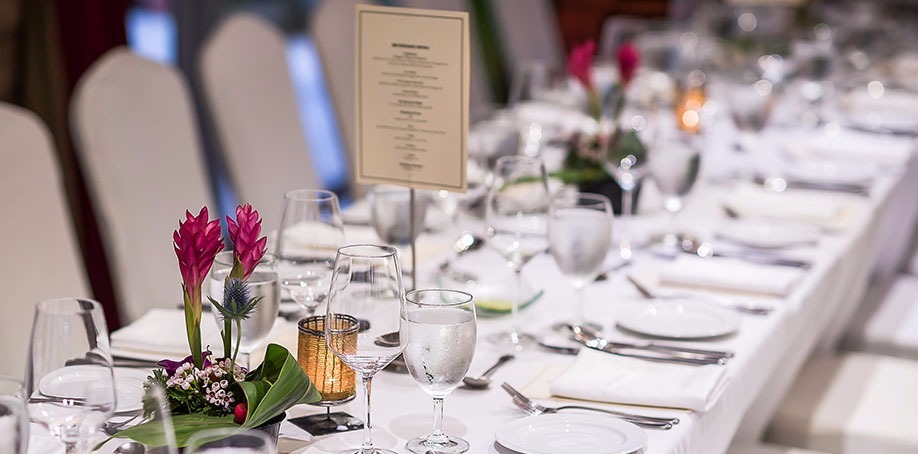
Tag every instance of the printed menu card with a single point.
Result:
(412, 82)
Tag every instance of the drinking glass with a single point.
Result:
(579, 235)
(440, 326)
(309, 237)
(14, 419)
(517, 219)
(263, 283)
(625, 162)
(366, 285)
(674, 166)
(390, 209)
(221, 441)
(69, 377)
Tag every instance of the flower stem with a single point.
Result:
(227, 336)
(238, 340)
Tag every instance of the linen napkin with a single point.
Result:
(827, 211)
(851, 147)
(603, 377)
(730, 274)
(160, 334)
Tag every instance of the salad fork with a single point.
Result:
(535, 409)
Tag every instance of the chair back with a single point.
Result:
(41, 257)
(529, 32)
(137, 137)
(250, 95)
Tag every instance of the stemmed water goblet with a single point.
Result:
(674, 166)
(440, 328)
(517, 218)
(311, 232)
(625, 162)
(366, 285)
(69, 379)
(579, 235)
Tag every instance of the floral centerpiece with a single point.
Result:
(606, 139)
(208, 392)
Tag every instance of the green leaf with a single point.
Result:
(150, 433)
(276, 385)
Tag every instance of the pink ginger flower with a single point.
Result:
(629, 58)
(580, 63)
(248, 248)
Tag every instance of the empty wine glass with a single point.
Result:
(69, 378)
(517, 218)
(674, 165)
(221, 441)
(309, 237)
(440, 327)
(14, 419)
(625, 162)
(263, 283)
(579, 235)
(366, 285)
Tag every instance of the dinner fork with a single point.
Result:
(534, 408)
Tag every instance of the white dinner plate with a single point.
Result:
(573, 433)
(680, 319)
(767, 235)
(69, 382)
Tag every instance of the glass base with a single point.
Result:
(330, 423)
(420, 445)
(374, 451)
(513, 340)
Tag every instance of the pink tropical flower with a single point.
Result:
(197, 242)
(629, 58)
(248, 248)
(580, 63)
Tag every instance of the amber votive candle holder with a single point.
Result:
(335, 381)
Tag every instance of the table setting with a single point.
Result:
(552, 313)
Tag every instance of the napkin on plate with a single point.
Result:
(730, 274)
(160, 334)
(603, 377)
(827, 211)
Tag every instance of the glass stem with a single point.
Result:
(627, 209)
(367, 446)
(437, 437)
(515, 334)
(580, 317)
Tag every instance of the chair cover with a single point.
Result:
(137, 137)
(41, 257)
(529, 32)
(248, 89)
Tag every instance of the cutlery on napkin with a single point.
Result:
(614, 379)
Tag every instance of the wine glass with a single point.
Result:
(216, 441)
(69, 378)
(517, 219)
(309, 237)
(366, 285)
(625, 162)
(390, 210)
(674, 166)
(441, 327)
(14, 419)
(262, 283)
(579, 235)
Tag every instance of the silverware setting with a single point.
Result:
(728, 303)
(691, 245)
(535, 409)
(651, 351)
(780, 184)
(484, 380)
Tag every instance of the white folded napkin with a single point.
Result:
(730, 274)
(604, 377)
(160, 334)
(852, 147)
(828, 211)
(896, 110)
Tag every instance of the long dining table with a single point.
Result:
(769, 350)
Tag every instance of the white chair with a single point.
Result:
(333, 29)
(41, 258)
(887, 323)
(247, 84)
(529, 32)
(137, 137)
(854, 403)
(768, 449)
(913, 264)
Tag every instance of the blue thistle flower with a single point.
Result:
(237, 305)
